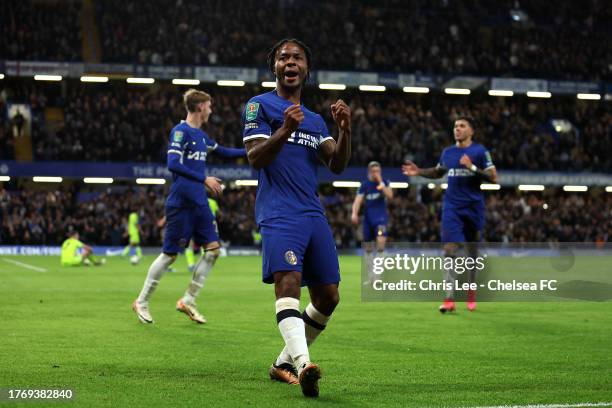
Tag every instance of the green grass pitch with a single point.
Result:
(73, 327)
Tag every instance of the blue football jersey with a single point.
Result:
(463, 184)
(374, 199)
(288, 185)
(187, 153)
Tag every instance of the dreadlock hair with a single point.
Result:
(271, 58)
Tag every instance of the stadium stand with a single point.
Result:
(121, 123)
(457, 37)
(43, 217)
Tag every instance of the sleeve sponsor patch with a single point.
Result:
(251, 125)
(178, 136)
(251, 110)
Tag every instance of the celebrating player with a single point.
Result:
(133, 232)
(187, 212)
(76, 253)
(467, 164)
(285, 141)
(376, 193)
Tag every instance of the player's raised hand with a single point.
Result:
(465, 161)
(410, 169)
(293, 118)
(341, 114)
(213, 184)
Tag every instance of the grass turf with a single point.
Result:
(73, 327)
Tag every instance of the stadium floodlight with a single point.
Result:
(531, 187)
(415, 89)
(350, 184)
(249, 183)
(136, 80)
(539, 94)
(485, 186)
(335, 87)
(398, 184)
(574, 189)
(230, 82)
(545, 206)
(5, 178)
(457, 91)
(185, 81)
(268, 84)
(500, 92)
(1, 76)
(444, 186)
(47, 77)
(46, 179)
(372, 88)
(609, 189)
(150, 181)
(589, 96)
(98, 180)
(99, 79)
(431, 186)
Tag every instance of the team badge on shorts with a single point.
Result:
(291, 258)
(381, 230)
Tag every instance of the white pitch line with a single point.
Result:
(25, 265)
(581, 405)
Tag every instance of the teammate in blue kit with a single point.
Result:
(188, 215)
(463, 213)
(286, 142)
(375, 193)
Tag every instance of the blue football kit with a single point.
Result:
(463, 209)
(295, 233)
(375, 216)
(187, 212)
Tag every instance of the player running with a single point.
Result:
(187, 212)
(133, 232)
(285, 141)
(76, 253)
(376, 193)
(463, 212)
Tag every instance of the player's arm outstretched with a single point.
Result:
(411, 169)
(228, 152)
(336, 154)
(489, 174)
(261, 152)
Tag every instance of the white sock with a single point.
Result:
(314, 323)
(200, 271)
(291, 326)
(156, 271)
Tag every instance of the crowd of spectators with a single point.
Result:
(44, 217)
(525, 39)
(40, 30)
(121, 123)
(566, 40)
